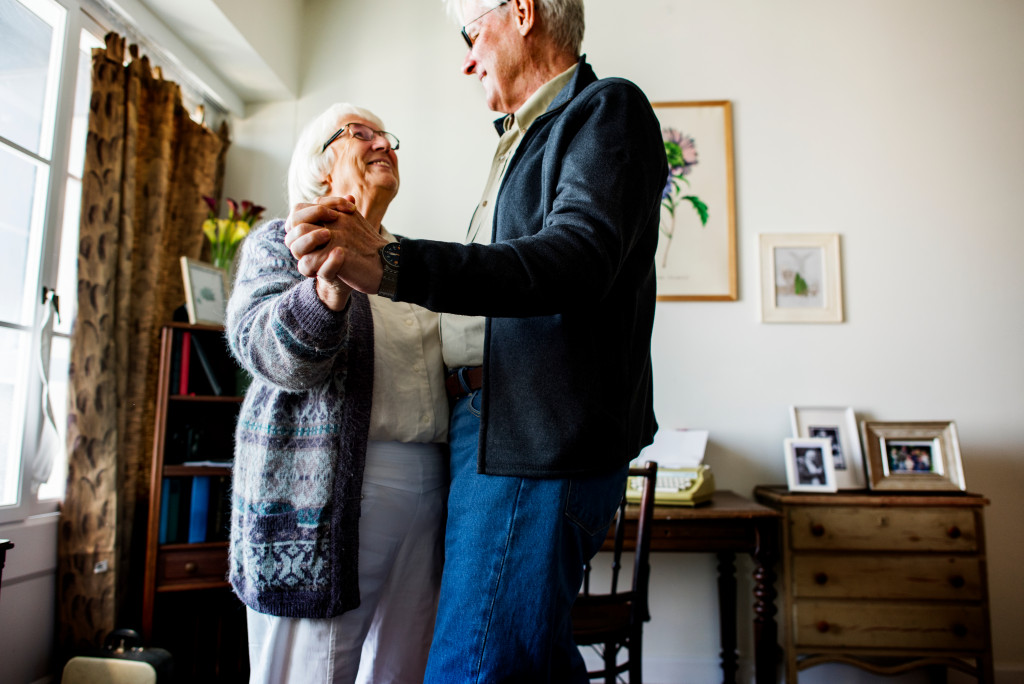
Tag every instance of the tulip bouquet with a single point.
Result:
(226, 234)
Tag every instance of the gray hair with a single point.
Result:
(311, 164)
(562, 19)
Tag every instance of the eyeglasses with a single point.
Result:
(364, 133)
(465, 36)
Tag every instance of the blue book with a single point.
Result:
(165, 503)
(200, 509)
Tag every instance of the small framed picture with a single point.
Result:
(808, 466)
(800, 279)
(922, 456)
(205, 293)
(839, 426)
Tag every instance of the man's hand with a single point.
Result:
(332, 229)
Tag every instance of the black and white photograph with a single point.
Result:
(809, 466)
(839, 426)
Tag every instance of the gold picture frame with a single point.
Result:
(696, 256)
(205, 292)
(800, 278)
(915, 456)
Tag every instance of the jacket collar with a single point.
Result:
(583, 77)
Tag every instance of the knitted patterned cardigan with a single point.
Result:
(300, 441)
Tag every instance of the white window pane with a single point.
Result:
(22, 196)
(30, 52)
(67, 270)
(14, 360)
(60, 356)
(80, 119)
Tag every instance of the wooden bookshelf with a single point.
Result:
(187, 605)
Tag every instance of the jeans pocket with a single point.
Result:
(592, 501)
(475, 403)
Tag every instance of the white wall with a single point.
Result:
(899, 125)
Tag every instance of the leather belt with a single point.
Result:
(472, 378)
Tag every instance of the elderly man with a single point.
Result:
(552, 391)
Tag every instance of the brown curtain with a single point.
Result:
(147, 167)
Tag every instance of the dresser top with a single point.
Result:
(780, 494)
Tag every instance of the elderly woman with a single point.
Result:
(340, 471)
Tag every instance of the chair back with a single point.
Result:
(614, 620)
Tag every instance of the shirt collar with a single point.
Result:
(536, 104)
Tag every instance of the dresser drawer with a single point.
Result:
(896, 576)
(870, 624)
(191, 565)
(882, 529)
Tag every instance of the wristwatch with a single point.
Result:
(389, 254)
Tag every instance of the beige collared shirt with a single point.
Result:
(409, 400)
(462, 337)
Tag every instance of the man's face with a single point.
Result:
(496, 57)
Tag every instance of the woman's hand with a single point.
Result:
(333, 229)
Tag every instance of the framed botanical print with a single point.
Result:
(696, 257)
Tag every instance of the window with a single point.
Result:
(45, 75)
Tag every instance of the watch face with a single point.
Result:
(389, 253)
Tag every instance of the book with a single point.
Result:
(208, 371)
(165, 500)
(219, 521)
(175, 378)
(186, 347)
(199, 509)
(169, 525)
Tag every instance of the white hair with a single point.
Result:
(562, 19)
(311, 164)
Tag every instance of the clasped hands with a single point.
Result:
(335, 244)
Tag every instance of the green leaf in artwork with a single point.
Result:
(702, 209)
(799, 285)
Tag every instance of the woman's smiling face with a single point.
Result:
(365, 169)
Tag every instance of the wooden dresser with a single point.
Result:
(888, 582)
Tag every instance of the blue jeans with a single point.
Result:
(514, 554)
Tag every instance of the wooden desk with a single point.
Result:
(726, 525)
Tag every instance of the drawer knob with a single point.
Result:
(957, 581)
(191, 567)
(960, 630)
(818, 530)
(820, 578)
(953, 532)
(822, 626)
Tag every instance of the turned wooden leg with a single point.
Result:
(727, 615)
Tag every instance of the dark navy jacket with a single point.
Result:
(568, 286)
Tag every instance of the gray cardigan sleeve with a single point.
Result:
(277, 327)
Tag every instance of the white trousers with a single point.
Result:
(401, 544)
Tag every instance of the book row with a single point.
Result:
(201, 365)
(195, 509)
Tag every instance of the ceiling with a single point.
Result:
(241, 51)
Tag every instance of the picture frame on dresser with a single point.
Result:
(839, 426)
(913, 456)
(808, 468)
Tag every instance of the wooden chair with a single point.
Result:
(614, 621)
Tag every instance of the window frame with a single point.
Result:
(47, 253)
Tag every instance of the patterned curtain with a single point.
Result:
(147, 167)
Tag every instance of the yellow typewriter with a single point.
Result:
(682, 479)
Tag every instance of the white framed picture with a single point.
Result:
(808, 468)
(205, 293)
(839, 426)
(800, 279)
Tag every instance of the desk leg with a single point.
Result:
(727, 615)
(766, 634)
